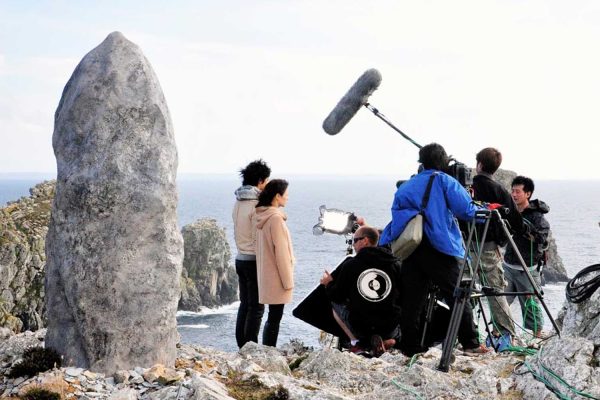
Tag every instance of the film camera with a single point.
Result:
(455, 169)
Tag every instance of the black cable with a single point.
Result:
(584, 284)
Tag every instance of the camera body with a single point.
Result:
(460, 172)
(455, 169)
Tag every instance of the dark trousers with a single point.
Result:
(251, 311)
(271, 328)
(426, 265)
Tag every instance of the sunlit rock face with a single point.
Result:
(114, 251)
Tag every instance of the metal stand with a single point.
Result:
(463, 291)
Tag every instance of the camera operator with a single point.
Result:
(486, 189)
(365, 294)
(438, 257)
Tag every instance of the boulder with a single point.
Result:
(208, 279)
(23, 228)
(113, 248)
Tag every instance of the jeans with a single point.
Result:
(271, 328)
(250, 313)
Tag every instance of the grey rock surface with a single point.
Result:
(574, 360)
(333, 375)
(23, 228)
(12, 348)
(268, 358)
(208, 279)
(113, 248)
(583, 319)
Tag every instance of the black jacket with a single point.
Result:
(369, 284)
(535, 239)
(488, 190)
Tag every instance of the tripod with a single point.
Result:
(463, 291)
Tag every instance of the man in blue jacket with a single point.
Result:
(438, 258)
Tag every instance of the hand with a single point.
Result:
(360, 221)
(326, 279)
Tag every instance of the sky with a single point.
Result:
(255, 79)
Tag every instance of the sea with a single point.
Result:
(574, 217)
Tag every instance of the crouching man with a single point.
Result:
(365, 294)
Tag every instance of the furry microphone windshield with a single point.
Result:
(357, 96)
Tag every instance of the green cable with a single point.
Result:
(526, 351)
(549, 385)
(553, 388)
(561, 379)
(412, 360)
(406, 389)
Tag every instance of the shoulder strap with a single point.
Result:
(427, 192)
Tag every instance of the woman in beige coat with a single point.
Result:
(274, 256)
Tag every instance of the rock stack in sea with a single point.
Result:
(114, 251)
(23, 228)
(208, 279)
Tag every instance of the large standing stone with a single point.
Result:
(113, 249)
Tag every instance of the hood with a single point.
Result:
(381, 254)
(247, 192)
(263, 214)
(539, 205)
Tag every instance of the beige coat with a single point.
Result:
(274, 257)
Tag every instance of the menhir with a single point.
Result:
(114, 252)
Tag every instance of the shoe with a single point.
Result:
(389, 343)
(356, 349)
(377, 346)
(542, 334)
(359, 351)
(477, 351)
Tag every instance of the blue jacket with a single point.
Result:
(447, 199)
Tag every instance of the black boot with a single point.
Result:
(270, 333)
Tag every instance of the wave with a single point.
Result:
(198, 326)
(226, 309)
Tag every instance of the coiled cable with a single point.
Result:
(584, 284)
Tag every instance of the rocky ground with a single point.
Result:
(294, 372)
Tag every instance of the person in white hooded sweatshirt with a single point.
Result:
(254, 178)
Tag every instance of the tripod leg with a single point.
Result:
(462, 294)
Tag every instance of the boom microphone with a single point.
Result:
(349, 105)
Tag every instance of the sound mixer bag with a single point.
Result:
(411, 236)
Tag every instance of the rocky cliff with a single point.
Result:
(208, 279)
(23, 228)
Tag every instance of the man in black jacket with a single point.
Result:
(532, 246)
(486, 189)
(365, 294)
